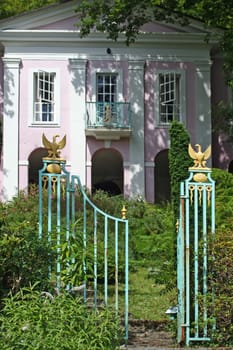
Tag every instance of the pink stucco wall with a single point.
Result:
(1, 86)
(107, 66)
(156, 138)
(93, 145)
(222, 148)
(31, 136)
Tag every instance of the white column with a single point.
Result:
(203, 104)
(11, 127)
(78, 109)
(136, 85)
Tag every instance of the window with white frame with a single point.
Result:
(44, 97)
(106, 87)
(169, 97)
(106, 95)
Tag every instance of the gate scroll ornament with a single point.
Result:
(196, 223)
(61, 197)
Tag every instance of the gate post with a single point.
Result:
(196, 223)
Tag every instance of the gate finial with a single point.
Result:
(199, 157)
(123, 212)
(54, 147)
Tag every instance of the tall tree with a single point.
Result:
(127, 16)
(14, 7)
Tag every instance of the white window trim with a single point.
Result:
(182, 96)
(57, 87)
(119, 73)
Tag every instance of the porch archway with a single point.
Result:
(107, 171)
(35, 164)
(162, 177)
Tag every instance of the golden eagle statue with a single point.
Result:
(53, 147)
(198, 156)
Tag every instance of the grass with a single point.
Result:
(148, 301)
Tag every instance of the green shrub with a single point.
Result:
(179, 161)
(221, 266)
(222, 282)
(31, 320)
(24, 258)
(110, 204)
(151, 242)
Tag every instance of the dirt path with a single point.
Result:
(152, 335)
(147, 334)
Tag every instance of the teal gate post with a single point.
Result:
(196, 226)
(101, 239)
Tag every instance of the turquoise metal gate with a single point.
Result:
(196, 226)
(93, 242)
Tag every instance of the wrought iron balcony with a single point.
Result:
(108, 120)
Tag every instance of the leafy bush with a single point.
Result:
(31, 320)
(179, 161)
(24, 259)
(151, 242)
(222, 283)
(222, 262)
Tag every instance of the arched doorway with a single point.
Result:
(107, 171)
(162, 177)
(35, 164)
(230, 167)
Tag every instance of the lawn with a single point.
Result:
(147, 300)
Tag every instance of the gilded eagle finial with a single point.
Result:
(198, 156)
(53, 147)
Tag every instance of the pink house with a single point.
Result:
(113, 102)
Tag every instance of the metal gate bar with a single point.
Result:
(57, 188)
(196, 223)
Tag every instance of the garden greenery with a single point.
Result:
(179, 161)
(23, 256)
(34, 320)
(29, 320)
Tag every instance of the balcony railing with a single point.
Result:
(113, 115)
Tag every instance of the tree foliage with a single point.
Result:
(14, 7)
(125, 16)
(128, 16)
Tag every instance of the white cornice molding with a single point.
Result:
(13, 35)
(149, 164)
(11, 62)
(136, 64)
(41, 17)
(77, 63)
(203, 65)
(23, 162)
